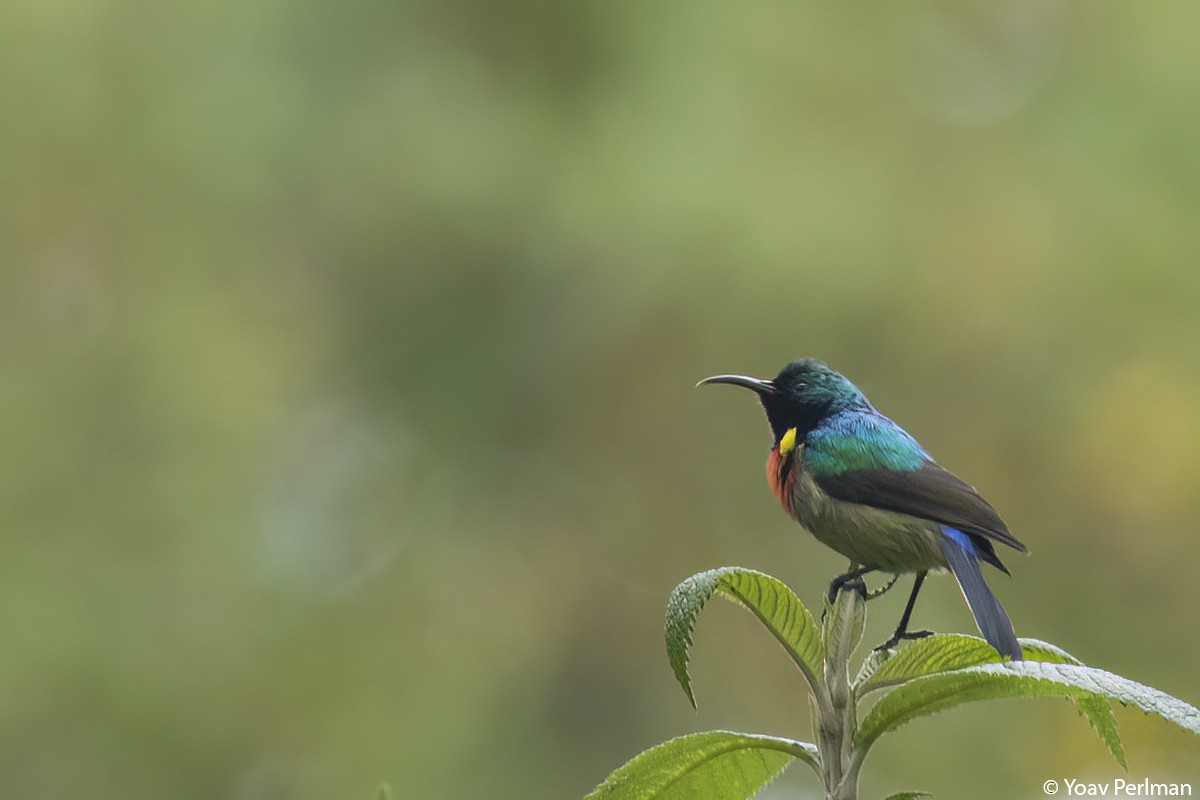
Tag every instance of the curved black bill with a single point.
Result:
(745, 381)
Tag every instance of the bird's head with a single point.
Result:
(800, 396)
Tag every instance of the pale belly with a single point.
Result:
(885, 540)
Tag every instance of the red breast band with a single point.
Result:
(780, 478)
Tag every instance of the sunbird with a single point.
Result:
(864, 487)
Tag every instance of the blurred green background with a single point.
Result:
(348, 351)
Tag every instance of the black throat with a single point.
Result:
(783, 416)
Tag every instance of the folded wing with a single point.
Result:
(929, 492)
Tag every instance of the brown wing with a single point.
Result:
(930, 493)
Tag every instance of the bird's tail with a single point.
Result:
(989, 614)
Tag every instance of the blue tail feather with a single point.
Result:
(962, 556)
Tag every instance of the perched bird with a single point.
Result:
(865, 488)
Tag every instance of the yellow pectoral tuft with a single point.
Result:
(788, 443)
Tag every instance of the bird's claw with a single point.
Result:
(841, 584)
(846, 582)
(899, 636)
(849, 579)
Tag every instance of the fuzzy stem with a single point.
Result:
(837, 720)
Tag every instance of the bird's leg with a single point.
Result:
(902, 631)
(851, 578)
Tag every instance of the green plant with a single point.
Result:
(889, 689)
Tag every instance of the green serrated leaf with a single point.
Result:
(933, 693)
(775, 605)
(1099, 714)
(1096, 710)
(1037, 650)
(717, 765)
(938, 653)
(874, 660)
(945, 652)
(907, 795)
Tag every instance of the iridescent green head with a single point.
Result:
(800, 396)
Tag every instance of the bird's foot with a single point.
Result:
(853, 578)
(900, 636)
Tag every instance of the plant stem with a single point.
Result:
(836, 718)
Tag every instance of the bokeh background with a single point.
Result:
(347, 352)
